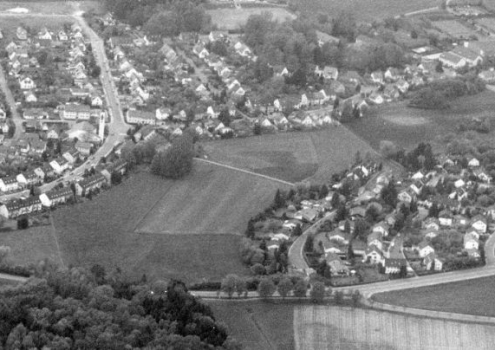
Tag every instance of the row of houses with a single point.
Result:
(57, 196)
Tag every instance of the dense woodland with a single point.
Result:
(76, 309)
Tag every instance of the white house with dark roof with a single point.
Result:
(89, 184)
(9, 183)
(56, 196)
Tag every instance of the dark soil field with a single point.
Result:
(472, 297)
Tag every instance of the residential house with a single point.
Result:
(471, 241)
(473, 162)
(482, 175)
(8, 184)
(62, 36)
(56, 196)
(392, 74)
(373, 255)
(405, 195)
(451, 60)
(84, 187)
(470, 57)
(74, 111)
(72, 156)
(425, 248)
(134, 116)
(337, 266)
(479, 222)
(381, 227)
(27, 179)
(377, 77)
(327, 72)
(59, 165)
(432, 223)
(84, 148)
(431, 262)
(394, 265)
(375, 238)
(26, 83)
(488, 76)
(445, 218)
(21, 33)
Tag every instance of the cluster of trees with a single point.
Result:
(177, 161)
(75, 309)
(439, 93)
(263, 261)
(180, 16)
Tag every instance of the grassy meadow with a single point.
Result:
(293, 156)
(467, 297)
(366, 10)
(165, 228)
(409, 126)
(323, 327)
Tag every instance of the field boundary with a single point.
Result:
(245, 171)
(57, 245)
(429, 313)
(135, 229)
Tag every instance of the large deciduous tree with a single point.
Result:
(176, 162)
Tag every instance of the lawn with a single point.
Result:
(409, 126)
(31, 245)
(366, 10)
(232, 18)
(324, 327)
(257, 325)
(109, 229)
(214, 200)
(466, 297)
(293, 156)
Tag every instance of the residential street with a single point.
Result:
(117, 125)
(16, 118)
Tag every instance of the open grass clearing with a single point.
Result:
(293, 156)
(231, 18)
(324, 327)
(467, 297)
(366, 10)
(215, 200)
(31, 245)
(256, 324)
(407, 127)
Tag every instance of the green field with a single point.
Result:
(257, 325)
(323, 327)
(31, 245)
(35, 23)
(365, 10)
(230, 18)
(468, 297)
(214, 200)
(291, 156)
(109, 229)
(409, 126)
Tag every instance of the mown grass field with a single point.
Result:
(366, 10)
(472, 297)
(409, 126)
(293, 156)
(215, 200)
(257, 325)
(322, 327)
(231, 18)
(109, 229)
(30, 246)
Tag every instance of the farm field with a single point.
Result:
(323, 327)
(467, 297)
(47, 7)
(293, 156)
(257, 325)
(232, 18)
(365, 10)
(103, 231)
(31, 245)
(409, 126)
(214, 200)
